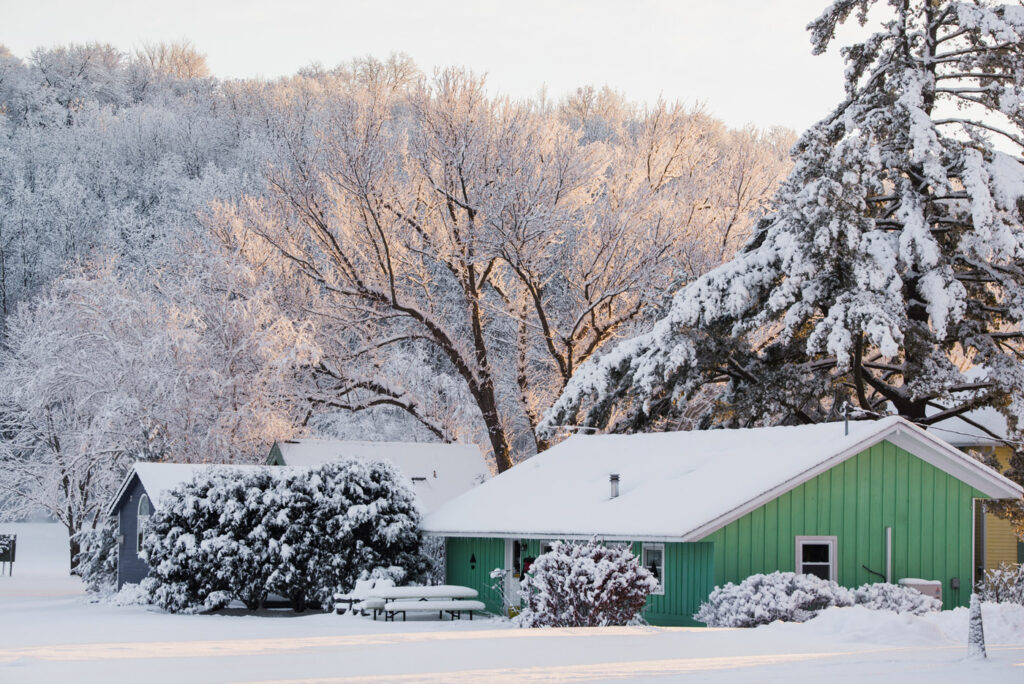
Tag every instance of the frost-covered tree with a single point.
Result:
(465, 254)
(891, 261)
(101, 375)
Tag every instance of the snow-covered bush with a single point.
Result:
(1004, 584)
(898, 599)
(300, 533)
(187, 547)
(345, 518)
(761, 599)
(787, 596)
(97, 558)
(128, 595)
(584, 585)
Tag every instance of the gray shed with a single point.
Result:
(141, 493)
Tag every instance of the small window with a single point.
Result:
(816, 556)
(546, 546)
(653, 558)
(141, 521)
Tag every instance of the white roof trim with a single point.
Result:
(112, 506)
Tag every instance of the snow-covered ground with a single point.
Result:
(49, 632)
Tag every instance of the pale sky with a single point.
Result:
(749, 61)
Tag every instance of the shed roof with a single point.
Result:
(679, 486)
(159, 478)
(439, 472)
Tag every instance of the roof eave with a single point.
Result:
(116, 500)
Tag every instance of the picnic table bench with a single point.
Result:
(454, 608)
(359, 594)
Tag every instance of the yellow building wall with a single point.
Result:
(1000, 542)
(1000, 539)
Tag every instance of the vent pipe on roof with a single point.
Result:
(614, 480)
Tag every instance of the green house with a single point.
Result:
(865, 502)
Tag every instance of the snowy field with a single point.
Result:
(49, 632)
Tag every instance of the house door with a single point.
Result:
(513, 559)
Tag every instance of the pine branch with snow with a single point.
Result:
(890, 261)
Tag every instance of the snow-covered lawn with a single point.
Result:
(49, 632)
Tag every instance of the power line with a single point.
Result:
(849, 407)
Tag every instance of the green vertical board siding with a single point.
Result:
(689, 578)
(689, 575)
(489, 554)
(930, 514)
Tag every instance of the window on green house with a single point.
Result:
(653, 558)
(816, 556)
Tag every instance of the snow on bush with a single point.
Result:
(1004, 584)
(300, 533)
(898, 599)
(97, 558)
(787, 596)
(584, 585)
(129, 595)
(345, 518)
(762, 599)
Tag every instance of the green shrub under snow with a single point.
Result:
(787, 596)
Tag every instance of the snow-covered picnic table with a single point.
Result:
(444, 598)
(436, 591)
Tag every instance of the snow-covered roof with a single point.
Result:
(439, 472)
(159, 478)
(679, 486)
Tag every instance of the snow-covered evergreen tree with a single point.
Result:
(242, 533)
(891, 261)
(367, 521)
(97, 557)
(183, 545)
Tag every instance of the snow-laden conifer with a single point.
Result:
(891, 260)
(303, 534)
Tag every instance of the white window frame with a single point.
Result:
(643, 561)
(141, 521)
(833, 553)
(545, 542)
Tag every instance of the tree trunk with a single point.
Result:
(74, 547)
